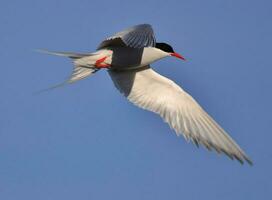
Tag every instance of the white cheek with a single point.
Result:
(151, 55)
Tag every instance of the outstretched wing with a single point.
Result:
(151, 91)
(136, 37)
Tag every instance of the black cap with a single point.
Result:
(165, 47)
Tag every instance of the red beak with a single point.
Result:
(177, 56)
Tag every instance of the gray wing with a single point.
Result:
(136, 37)
(151, 91)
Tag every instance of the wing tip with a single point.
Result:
(241, 158)
(248, 160)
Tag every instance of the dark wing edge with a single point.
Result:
(151, 91)
(138, 36)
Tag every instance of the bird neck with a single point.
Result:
(152, 54)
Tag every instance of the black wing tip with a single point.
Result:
(241, 159)
(249, 161)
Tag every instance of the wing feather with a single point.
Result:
(151, 91)
(138, 36)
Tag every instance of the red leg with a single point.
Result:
(99, 63)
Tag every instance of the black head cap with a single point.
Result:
(165, 47)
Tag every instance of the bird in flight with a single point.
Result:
(127, 56)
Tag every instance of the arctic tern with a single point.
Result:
(127, 56)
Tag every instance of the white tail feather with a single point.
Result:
(83, 66)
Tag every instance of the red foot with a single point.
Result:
(99, 63)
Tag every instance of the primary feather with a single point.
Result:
(151, 91)
(136, 37)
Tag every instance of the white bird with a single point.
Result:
(127, 55)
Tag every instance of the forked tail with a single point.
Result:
(79, 71)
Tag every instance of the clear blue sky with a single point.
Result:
(85, 141)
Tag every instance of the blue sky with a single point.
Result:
(85, 141)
